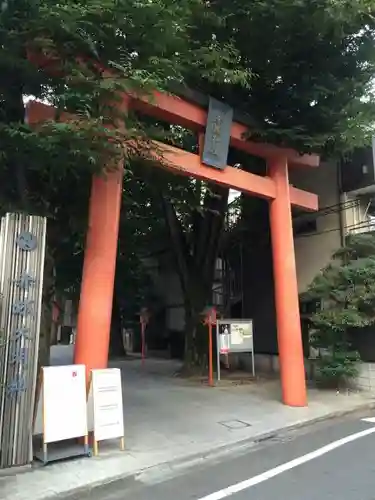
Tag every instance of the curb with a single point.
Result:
(219, 451)
(215, 453)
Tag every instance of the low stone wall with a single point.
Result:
(267, 363)
(366, 377)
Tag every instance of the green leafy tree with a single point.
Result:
(57, 53)
(311, 66)
(305, 79)
(346, 291)
(305, 88)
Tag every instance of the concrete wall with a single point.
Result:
(269, 364)
(69, 317)
(314, 250)
(366, 378)
(167, 284)
(175, 318)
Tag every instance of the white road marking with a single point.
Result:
(264, 476)
(370, 420)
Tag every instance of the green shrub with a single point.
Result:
(346, 291)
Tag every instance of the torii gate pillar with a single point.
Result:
(292, 369)
(95, 305)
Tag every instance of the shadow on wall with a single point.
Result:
(259, 301)
(364, 342)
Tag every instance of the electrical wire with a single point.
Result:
(360, 225)
(331, 209)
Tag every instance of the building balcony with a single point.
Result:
(366, 226)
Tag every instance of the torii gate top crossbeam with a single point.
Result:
(182, 111)
(192, 116)
(184, 163)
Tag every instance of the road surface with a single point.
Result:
(331, 460)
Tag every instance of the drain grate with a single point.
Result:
(235, 424)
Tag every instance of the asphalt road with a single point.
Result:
(331, 460)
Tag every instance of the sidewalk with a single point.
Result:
(170, 421)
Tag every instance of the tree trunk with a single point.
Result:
(45, 336)
(47, 310)
(116, 344)
(195, 258)
(196, 333)
(190, 355)
(196, 345)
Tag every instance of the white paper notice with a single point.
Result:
(236, 334)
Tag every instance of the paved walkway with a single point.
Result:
(168, 420)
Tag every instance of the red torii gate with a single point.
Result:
(95, 307)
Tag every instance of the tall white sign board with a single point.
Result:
(62, 407)
(105, 406)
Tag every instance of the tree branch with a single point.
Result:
(209, 230)
(13, 111)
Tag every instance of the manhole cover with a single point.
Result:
(235, 424)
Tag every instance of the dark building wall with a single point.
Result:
(259, 303)
(258, 296)
(364, 342)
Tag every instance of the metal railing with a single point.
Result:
(366, 226)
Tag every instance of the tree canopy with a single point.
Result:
(298, 69)
(146, 45)
(312, 69)
(58, 53)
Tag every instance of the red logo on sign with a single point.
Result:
(74, 374)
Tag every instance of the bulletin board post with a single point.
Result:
(209, 321)
(144, 319)
(234, 336)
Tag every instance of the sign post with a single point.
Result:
(217, 134)
(144, 319)
(234, 336)
(210, 320)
